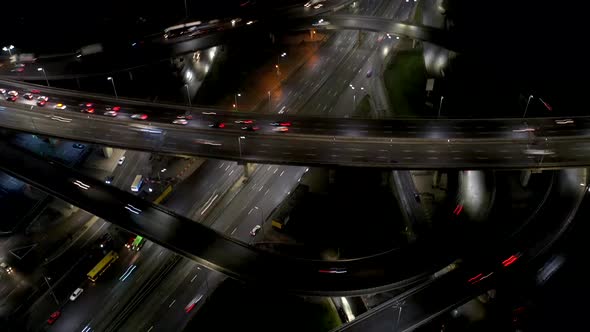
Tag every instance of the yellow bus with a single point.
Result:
(102, 266)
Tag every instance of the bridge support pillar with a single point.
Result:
(435, 179)
(107, 152)
(525, 176)
(248, 170)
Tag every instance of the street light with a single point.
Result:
(188, 96)
(236, 100)
(44, 74)
(114, 89)
(353, 97)
(8, 49)
(282, 55)
(440, 104)
(240, 138)
(527, 105)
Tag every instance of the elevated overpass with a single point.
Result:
(392, 269)
(534, 143)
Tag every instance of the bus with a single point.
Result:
(137, 243)
(102, 266)
(137, 182)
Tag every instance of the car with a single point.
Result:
(28, 96)
(12, 93)
(42, 100)
(35, 91)
(281, 129)
(60, 106)
(191, 305)
(109, 179)
(250, 128)
(217, 125)
(369, 73)
(2, 91)
(255, 230)
(281, 124)
(78, 146)
(180, 122)
(333, 270)
(185, 116)
(113, 108)
(87, 110)
(564, 121)
(139, 116)
(539, 152)
(6, 268)
(86, 105)
(111, 113)
(121, 160)
(53, 317)
(130, 242)
(76, 293)
(11, 98)
(244, 121)
(17, 70)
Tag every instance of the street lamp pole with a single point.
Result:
(185, 9)
(240, 138)
(527, 105)
(440, 104)
(44, 74)
(51, 290)
(8, 49)
(269, 103)
(236, 100)
(114, 89)
(188, 96)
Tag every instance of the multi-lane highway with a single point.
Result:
(402, 144)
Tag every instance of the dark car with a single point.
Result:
(109, 179)
(11, 97)
(53, 317)
(250, 128)
(217, 125)
(28, 96)
(78, 146)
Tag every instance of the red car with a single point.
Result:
(53, 317)
(87, 110)
(281, 124)
(139, 116)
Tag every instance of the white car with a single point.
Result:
(121, 160)
(2, 91)
(60, 106)
(111, 113)
(180, 122)
(75, 294)
(12, 93)
(255, 230)
(564, 121)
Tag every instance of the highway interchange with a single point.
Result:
(402, 144)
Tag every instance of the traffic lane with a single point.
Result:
(116, 290)
(392, 128)
(169, 300)
(502, 128)
(75, 314)
(253, 147)
(259, 200)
